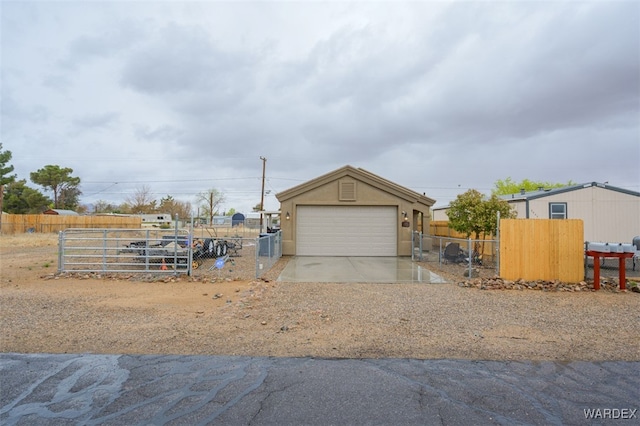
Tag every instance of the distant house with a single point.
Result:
(439, 213)
(60, 212)
(252, 220)
(221, 221)
(609, 213)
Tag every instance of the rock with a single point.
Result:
(474, 273)
(497, 283)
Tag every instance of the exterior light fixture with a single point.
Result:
(288, 216)
(405, 220)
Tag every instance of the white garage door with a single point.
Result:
(346, 231)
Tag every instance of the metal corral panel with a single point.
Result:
(347, 231)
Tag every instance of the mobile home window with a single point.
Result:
(557, 210)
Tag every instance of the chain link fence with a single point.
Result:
(268, 251)
(469, 252)
(417, 248)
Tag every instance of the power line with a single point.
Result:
(175, 180)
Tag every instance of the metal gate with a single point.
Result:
(124, 250)
(163, 251)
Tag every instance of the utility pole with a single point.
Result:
(264, 165)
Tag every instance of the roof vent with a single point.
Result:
(347, 191)
(522, 191)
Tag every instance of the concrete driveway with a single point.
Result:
(315, 269)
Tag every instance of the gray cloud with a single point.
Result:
(15, 113)
(57, 82)
(119, 36)
(186, 66)
(164, 133)
(431, 95)
(94, 121)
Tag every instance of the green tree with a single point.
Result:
(231, 211)
(59, 181)
(21, 199)
(180, 208)
(5, 169)
(490, 208)
(472, 213)
(69, 198)
(509, 186)
(210, 202)
(465, 213)
(5, 176)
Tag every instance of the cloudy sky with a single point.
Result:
(438, 96)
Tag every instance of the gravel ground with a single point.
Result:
(227, 313)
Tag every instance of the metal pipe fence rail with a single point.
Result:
(165, 251)
(124, 250)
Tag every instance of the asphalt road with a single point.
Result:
(197, 390)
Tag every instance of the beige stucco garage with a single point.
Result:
(351, 212)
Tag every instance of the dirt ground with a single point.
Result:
(213, 314)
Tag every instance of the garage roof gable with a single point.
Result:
(358, 174)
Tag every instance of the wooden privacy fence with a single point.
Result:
(440, 228)
(21, 223)
(542, 249)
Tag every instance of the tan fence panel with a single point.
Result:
(440, 228)
(21, 223)
(542, 249)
